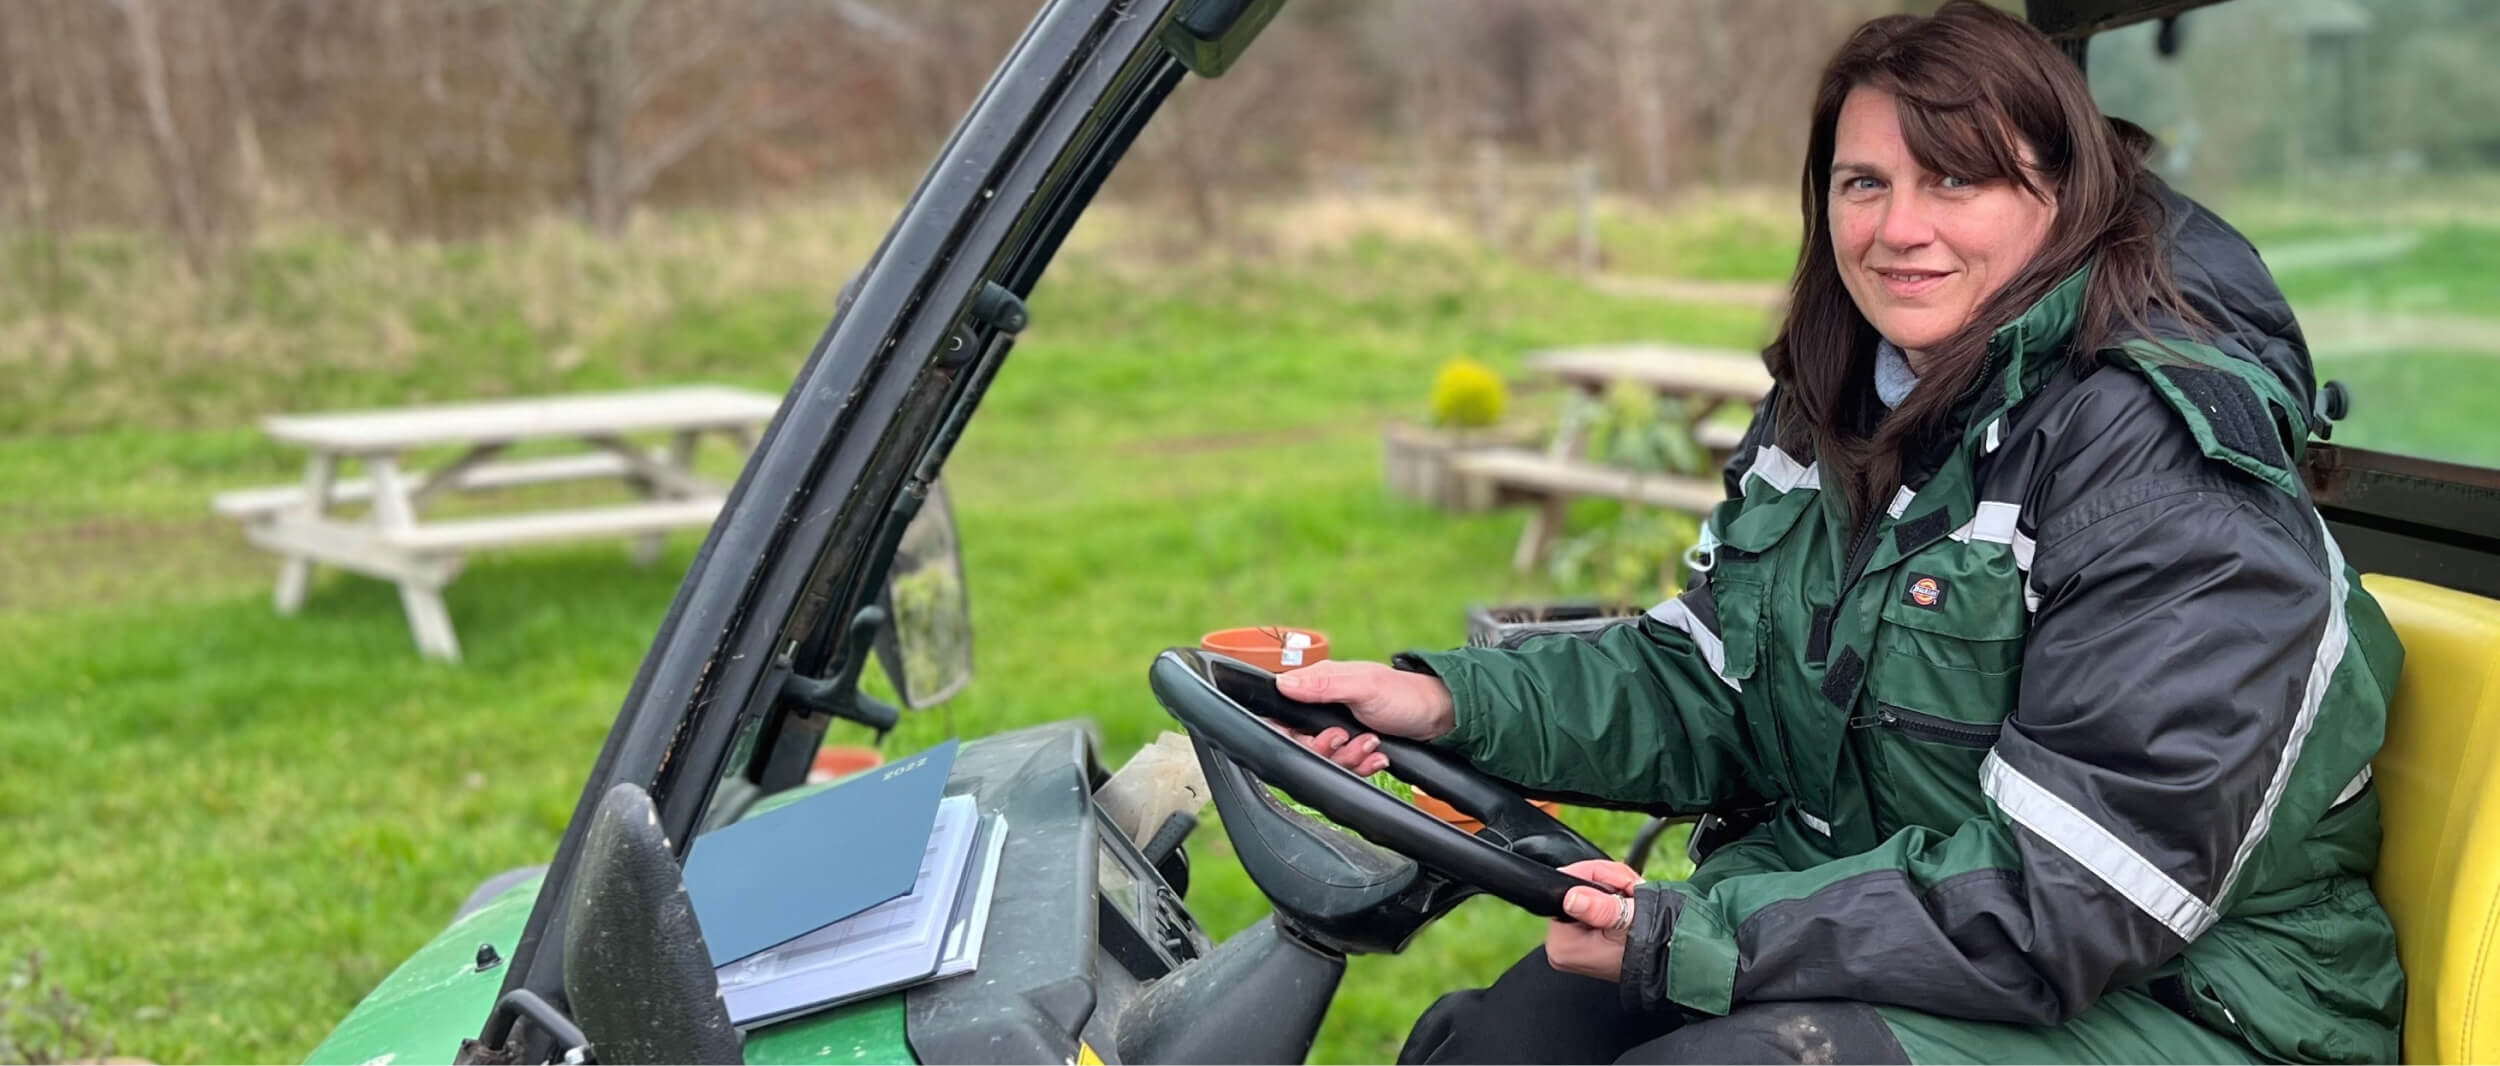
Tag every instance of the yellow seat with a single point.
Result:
(2439, 783)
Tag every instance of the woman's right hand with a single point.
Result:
(1398, 702)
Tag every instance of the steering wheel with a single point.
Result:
(1354, 897)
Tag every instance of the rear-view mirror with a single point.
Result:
(926, 645)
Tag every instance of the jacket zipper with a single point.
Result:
(1769, 651)
(1931, 727)
(1862, 550)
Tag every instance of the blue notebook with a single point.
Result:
(775, 876)
(900, 942)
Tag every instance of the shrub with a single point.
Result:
(1467, 395)
(1637, 556)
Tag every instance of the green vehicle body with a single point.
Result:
(424, 1009)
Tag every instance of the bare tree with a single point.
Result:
(19, 49)
(603, 64)
(1632, 46)
(251, 165)
(447, 117)
(1740, 38)
(1214, 140)
(185, 197)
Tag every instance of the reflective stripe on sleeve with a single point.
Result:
(1994, 522)
(1999, 522)
(2322, 666)
(2095, 848)
(2359, 781)
(2024, 549)
(1675, 615)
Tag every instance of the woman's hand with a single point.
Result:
(1590, 942)
(1398, 702)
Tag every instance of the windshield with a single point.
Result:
(2358, 147)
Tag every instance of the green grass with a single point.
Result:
(2454, 269)
(2440, 405)
(226, 826)
(2416, 334)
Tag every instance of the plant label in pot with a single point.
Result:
(1275, 649)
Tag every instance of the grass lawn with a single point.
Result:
(226, 825)
(2415, 334)
(1750, 236)
(2441, 405)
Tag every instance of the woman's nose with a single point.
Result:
(1905, 223)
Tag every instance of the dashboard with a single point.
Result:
(1079, 924)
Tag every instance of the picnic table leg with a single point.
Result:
(1546, 523)
(1538, 538)
(423, 600)
(295, 572)
(681, 449)
(1697, 414)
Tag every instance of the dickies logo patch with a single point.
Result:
(1926, 592)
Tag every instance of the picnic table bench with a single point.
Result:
(390, 542)
(1705, 380)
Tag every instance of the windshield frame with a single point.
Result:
(868, 419)
(2080, 20)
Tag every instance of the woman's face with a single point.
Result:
(1920, 252)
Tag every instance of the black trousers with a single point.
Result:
(1535, 1013)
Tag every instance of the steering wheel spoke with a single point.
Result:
(1347, 894)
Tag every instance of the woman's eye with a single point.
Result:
(1862, 184)
(1951, 182)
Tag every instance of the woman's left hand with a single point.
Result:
(1590, 941)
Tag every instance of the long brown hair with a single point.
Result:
(1976, 86)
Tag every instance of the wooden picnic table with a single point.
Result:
(1706, 380)
(389, 541)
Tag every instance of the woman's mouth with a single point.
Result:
(1911, 284)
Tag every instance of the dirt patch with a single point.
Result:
(1763, 294)
(2339, 331)
(1201, 443)
(114, 560)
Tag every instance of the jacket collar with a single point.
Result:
(2024, 352)
(1940, 495)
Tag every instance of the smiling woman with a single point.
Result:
(2060, 693)
(1950, 182)
(1920, 251)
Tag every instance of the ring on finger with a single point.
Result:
(1622, 923)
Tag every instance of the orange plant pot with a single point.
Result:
(1264, 647)
(1438, 808)
(842, 760)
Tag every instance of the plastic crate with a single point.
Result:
(1510, 626)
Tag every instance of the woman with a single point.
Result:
(2062, 694)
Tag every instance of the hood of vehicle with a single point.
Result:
(433, 1001)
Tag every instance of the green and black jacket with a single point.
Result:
(2090, 706)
